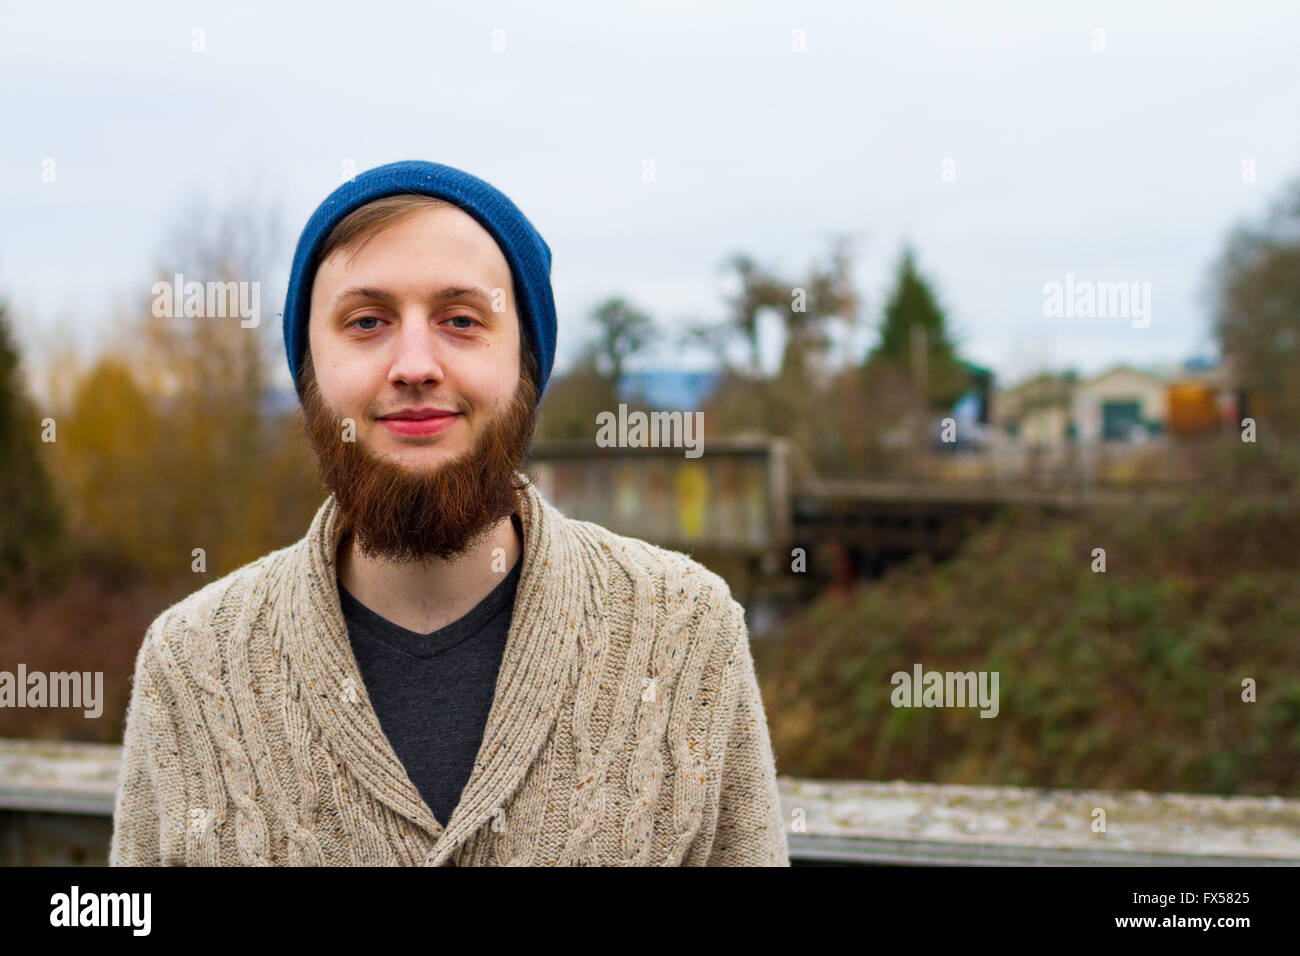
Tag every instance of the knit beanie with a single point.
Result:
(527, 253)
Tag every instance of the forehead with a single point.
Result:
(435, 246)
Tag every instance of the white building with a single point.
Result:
(1120, 404)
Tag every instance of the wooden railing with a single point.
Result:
(56, 805)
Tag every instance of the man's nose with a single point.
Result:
(418, 358)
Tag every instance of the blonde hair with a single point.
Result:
(361, 225)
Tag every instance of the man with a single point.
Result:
(445, 670)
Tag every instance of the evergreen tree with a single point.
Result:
(913, 304)
(33, 523)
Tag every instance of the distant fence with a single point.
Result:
(56, 805)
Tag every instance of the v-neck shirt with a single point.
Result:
(433, 692)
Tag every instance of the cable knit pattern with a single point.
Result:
(587, 803)
(627, 727)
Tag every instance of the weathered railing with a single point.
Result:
(56, 805)
(862, 822)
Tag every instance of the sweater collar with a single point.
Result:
(545, 630)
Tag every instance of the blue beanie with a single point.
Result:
(527, 253)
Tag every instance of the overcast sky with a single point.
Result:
(1113, 156)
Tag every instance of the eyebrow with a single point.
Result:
(449, 292)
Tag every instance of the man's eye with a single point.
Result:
(366, 318)
(466, 318)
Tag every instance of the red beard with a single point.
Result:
(400, 515)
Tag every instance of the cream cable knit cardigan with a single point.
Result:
(627, 727)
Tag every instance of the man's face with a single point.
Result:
(405, 344)
(418, 341)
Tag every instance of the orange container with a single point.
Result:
(1193, 408)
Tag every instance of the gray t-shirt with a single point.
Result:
(433, 692)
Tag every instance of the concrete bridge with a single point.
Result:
(748, 502)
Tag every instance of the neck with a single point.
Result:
(423, 596)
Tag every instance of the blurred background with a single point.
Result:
(963, 293)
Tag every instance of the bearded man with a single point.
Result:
(445, 670)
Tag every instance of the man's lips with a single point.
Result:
(420, 421)
(418, 414)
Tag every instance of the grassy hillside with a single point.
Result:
(1130, 678)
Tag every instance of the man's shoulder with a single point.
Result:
(681, 577)
(204, 609)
